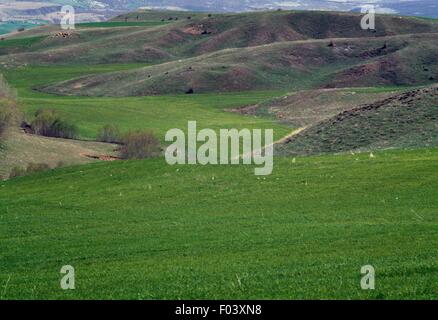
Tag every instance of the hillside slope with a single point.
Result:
(392, 60)
(406, 120)
(202, 34)
(22, 149)
(307, 107)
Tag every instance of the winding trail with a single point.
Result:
(281, 140)
(290, 135)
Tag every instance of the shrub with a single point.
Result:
(139, 145)
(6, 115)
(60, 164)
(44, 119)
(37, 167)
(9, 111)
(17, 172)
(64, 129)
(109, 133)
(48, 123)
(31, 168)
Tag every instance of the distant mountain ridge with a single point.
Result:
(426, 8)
(109, 8)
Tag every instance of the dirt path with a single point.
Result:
(290, 135)
(282, 140)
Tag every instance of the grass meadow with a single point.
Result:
(159, 113)
(147, 230)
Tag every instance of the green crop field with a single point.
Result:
(147, 230)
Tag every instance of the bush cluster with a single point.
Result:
(6, 115)
(9, 110)
(109, 133)
(31, 168)
(48, 123)
(139, 144)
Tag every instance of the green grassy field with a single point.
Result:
(19, 42)
(147, 230)
(11, 26)
(159, 113)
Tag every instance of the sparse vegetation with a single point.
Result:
(6, 115)
(9, 111)
(405, 120)
(140, 144)
(17, 172)
(37, 167)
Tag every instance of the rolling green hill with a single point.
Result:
(406, 120)
(201, 35)
(308, 107)
(393, 60)
(13, 26)
(158, 16)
